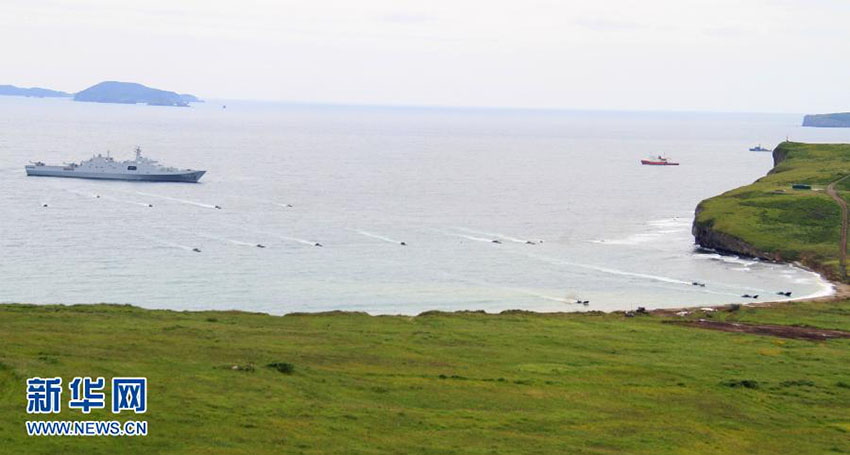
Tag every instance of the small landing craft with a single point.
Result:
(658, 161)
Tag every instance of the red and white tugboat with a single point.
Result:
(658, 161)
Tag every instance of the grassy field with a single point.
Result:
(794, 225)
(464, 383)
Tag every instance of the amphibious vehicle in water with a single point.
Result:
(105, 167)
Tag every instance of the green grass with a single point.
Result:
(794, 225)
(464, 383)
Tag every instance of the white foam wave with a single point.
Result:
(670, 222)
(726, 258)
(634, 239)
(653, 230)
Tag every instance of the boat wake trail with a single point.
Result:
(376, 236)
(469, 237)
(295, 239)
(512, 289)
(167, 243)
(110, 198)
(222, 239)
(182, 201)
(492, 235)
(265, 201)
(642, 276)
(276, 235)
(291, 239)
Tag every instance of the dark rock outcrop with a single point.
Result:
(722, 242)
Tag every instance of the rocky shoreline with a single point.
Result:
(707, 237)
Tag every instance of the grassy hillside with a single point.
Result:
(464, 383)
(781, 222)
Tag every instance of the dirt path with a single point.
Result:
(842, 252)
(784, 331)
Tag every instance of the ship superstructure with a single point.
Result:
(107, 168)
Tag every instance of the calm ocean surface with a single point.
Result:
(360, 181)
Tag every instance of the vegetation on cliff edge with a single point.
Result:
(781, 222)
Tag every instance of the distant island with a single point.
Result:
(132, 93)
(11, 90)
(110, 92)
(836, 120)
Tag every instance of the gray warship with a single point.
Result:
(106, 168)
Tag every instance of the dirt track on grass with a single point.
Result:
(784, 331)
(842, 244)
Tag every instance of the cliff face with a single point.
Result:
(779, 155)
(837, 120)
(707, 236)
(723, 243)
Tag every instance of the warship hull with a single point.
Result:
(61, 171)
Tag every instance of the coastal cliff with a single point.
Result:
(836, 120)
(771, 220)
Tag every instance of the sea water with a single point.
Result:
(498, 209)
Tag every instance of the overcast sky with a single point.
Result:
(719, 55)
